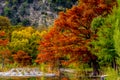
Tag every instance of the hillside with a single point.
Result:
(33, 12)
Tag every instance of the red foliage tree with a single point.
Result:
(72, 33)
(3, 40)
(22, 58)
(4, 52)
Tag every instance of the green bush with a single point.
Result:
(111, 74)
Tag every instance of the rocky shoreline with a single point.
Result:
(25, 72)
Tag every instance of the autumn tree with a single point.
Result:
(71, 33)
(4, 51)
(22, 58)
(26, 39)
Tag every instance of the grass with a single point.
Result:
(111, 74)
(7, 67)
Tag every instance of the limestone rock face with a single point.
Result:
(34, 12)
(24, 72)
(2, 4)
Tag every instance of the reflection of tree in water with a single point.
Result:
(65, 78)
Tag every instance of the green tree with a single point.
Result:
(26, 22)
(25, 39)
(115, 22)
(8, 12)
(104, 46)
(4, 23)
(29, 1)
(106, 43)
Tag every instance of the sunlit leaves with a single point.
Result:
(116, 24)
(25, 33)
(71, 32)
(20, 39)
(18, 44)
(26, 39)
(106, 44)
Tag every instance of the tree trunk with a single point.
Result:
(96, 67)
(114, 65)
(59, 66)
(2, 63)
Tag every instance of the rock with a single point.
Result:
(34, 11)
(6, 74)
(25, 72)
(13, 73)
(50, 75)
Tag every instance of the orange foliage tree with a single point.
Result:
(4, 52)
(72, 33)
(22, 58)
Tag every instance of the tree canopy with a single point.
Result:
(71, 33)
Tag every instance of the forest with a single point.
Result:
(85, 38)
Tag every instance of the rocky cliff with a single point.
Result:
(33, 12)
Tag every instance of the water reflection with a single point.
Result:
(50, 78)
(32, 78)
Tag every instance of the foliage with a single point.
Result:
(8, 12)
(25, 22)
(106, 45)
(4, 52)
(22, 58)
(84, 34)
(64, 2)
(111, 74)
(5, 56)
(19, 39)
(116, 23)
(70, 35)
(26, 39)
(29, 1)
(4, 22)
(97, 23)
